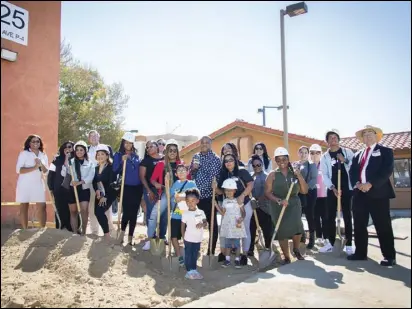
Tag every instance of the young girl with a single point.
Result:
(232, 227)
(82, 179)
(193, 223)
(178, 204)
(105, 194)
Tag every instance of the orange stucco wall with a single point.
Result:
(245, 139)
(30, 91)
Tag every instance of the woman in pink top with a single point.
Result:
(320, 207)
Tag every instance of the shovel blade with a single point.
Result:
(171, 265)
(266, 258)
(210, 262)
(157, 247)
(338, 246)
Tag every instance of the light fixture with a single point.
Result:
(296, 9)
(8, 55)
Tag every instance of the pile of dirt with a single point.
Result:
(52, 268)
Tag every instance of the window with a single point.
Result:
(402, 173)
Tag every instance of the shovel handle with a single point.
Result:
(53, 202)
(212, 221)
(76, 195)
(120, 208)
(169, 225)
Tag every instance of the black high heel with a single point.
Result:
(298, 255)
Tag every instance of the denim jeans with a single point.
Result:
(191, 253)
(152, 221)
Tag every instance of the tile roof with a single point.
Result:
(399, 140)
(251, 126)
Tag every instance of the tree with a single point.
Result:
(87, 103)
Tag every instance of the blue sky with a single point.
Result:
(200, 65)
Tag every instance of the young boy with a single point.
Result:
(232, 227)
(178, 196)
(193, 223)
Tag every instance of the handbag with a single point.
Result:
(66, 181)
(253, 202)
(117, 184)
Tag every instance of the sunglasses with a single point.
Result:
(258, 148)
(229, 161)
(161, 144)
(315, 153)
(151, 146)
(173, 150)
(68, 147)
(35, 142)
(256, 165)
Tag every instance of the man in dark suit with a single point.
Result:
(370, 175)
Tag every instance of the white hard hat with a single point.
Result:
(281, 151)
(332, 131)
(80, 143)
(229, 184)
(172, 142)
(103, 147)
(315, 147)
(129, 137)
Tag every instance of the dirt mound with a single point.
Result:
(51, 268)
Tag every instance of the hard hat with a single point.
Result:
(172, 142)
(103, 147)
(229, 184)
(129, 137)
(315, 147)
(281, 151)
(303, 147)
(332, 131)
(81, 143)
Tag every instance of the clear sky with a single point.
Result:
(200, 65)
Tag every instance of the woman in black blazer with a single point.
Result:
(105, 194)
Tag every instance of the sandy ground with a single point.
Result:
(52, 268)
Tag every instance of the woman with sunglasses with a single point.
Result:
(82, 179)
(161, 143)
(168, 165)
(260, 150)
(277, 186)
(54, 182)
(31, 163)
(263, 213)
(310, 174)
(230, 148)
(320, 217)
(230, 170)
(133, 189)
(147, 166)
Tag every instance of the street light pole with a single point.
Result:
(263, 111)
(283, 60)
(291, 10)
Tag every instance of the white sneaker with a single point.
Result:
(326, 248)
(146, 246)
(320, 242)
(349, 250)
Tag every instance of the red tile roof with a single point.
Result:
(250, 126)
(400, 140)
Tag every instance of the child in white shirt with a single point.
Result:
(193, 223)
(232, 227)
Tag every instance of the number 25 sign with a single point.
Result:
(14, 23)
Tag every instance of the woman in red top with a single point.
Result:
(168, 165)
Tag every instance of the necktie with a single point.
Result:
(362, 165)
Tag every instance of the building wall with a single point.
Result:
(30, 91)
(244, 139)
(403, 195)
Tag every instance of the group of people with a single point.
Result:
(87, 180)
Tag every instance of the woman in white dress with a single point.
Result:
(31, 163)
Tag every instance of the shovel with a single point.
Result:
(120, 204)
(77, 201)
(261, 240)
(339, 241)
(157, 245)
(267, 256)
(53, 202)
(212, 259)
(169, 264)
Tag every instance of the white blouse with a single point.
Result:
(86, 170)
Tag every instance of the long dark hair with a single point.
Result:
(234, 150)
(122, 149)
(266, 158)
(61, 156)
(28, 141)
(224, 172)
(77, 162)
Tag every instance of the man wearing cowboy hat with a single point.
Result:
(335, 158)
(370, 174)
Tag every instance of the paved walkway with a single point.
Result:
(326, 281)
